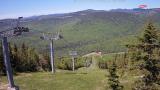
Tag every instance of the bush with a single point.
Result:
(66, 63)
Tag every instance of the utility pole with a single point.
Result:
(51, 39)
(6, 57)
(3, 35)
(73, 54)
(52, 57)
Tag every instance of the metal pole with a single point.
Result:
(72, 63)
(52, 57)
(8, 64)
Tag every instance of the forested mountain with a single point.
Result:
(86, 31)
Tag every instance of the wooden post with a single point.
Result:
(73, 66)
(73, 54)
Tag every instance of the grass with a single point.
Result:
(91, 78)
(82, 79)
(62, 80)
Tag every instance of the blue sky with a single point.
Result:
(15, 8)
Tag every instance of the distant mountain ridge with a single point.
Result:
(134, 10)
(137, 10)
(87, 30)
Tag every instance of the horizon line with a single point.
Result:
(36, 15)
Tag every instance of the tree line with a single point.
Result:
(27, 59)
(142, 58)
(22, 58)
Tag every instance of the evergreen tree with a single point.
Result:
(23, 51)
(113, 81)
(23, 59)
(144, 56)
(32, 60)
(44, 62)
(2, 66)
(14, 56)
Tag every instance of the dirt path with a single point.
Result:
(94, 63)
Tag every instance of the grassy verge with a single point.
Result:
(66, 80)
(82, 79)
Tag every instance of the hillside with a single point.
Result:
(86, 31)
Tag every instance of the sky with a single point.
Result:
(25, 8)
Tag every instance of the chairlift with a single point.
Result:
(61, 37)
(4, 35)
(41, 37)
(25, 29)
